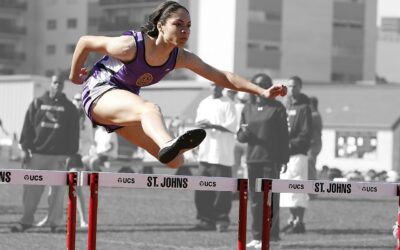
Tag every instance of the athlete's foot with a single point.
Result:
(187, 141)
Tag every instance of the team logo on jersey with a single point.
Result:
(144, 80)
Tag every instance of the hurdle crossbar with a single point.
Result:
(48, 178)
(269, 186)
(167, 182)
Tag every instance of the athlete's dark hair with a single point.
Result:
(161, 13)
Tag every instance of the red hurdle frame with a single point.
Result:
(71, 221)
(266, 187)
(94, 197)
(243, 197)
(398, 220)
(94, 192)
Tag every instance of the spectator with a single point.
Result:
(75, 163)
(316, 140)
(300, 132)
(239, 151)
(240, 148)
(264, 129)
(216, 114)
(50, 134)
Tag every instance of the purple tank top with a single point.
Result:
(136, 73)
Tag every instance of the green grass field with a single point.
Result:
(161, 219)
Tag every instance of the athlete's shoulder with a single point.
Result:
(186, 58)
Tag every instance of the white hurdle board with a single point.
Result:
(158, 181)
(330, 187)
(33, 177)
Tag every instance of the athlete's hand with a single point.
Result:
(80, 78)
(283, 90)
(274, 91)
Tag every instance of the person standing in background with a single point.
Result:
(240, 149)
(216, 114)
(74, 163)
(316, 141)
(263, 126)
(300, 132)
(239, 99)
(50, 135)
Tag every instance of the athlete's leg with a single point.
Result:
(136, 135)
(120, 107)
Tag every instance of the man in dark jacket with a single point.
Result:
(263, 127)
(300, 131)
(50, 135)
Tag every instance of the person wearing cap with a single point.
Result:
(263, 126)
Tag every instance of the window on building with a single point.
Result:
(253, 45)
(70, 48)
(358, 145)
(257, 16)
(93, 21)
(51, 24)
(50, 49)
(273, 16)
(6, 71)
(347, 24)
(271, 47)
(72, 23)
(345, 77)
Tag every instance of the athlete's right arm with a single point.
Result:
(122, 48)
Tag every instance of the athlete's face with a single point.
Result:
(176, 30)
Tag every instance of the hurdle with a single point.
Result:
(166, 182)
(48, 178)
(269, 186)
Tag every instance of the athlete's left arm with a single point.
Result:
(223, 78)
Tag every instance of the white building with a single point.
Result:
(321, 41)
(388, 50)
(361, 126)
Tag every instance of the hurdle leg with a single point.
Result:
(92, 226)
(243, 191)
(398, 219)
(267, 211)
(71, 221)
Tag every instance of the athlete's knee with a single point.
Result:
(151, 107)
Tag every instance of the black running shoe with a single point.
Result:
(190, 139)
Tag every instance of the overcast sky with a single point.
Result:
(388, 8)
